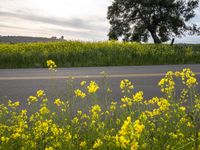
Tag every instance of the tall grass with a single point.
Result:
(78, 54)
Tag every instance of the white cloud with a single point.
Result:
(77, 19)
(43, 16)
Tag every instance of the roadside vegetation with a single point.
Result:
(161, 123)
(78, 54)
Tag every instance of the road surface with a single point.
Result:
(19, 84)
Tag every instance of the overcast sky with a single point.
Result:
(75, 19)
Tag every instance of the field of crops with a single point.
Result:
(170, 122)
(77, 54)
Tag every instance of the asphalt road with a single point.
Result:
(19, 84)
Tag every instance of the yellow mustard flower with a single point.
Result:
(173, 135)
(126, 85)
(40, 93)
(68, 136)
(32, 99)
(79, 93)
(138, 97)
(82, 83)
(121, 141)
(79, 112)
(134, 145)
(83, 144)
(4, 139)
(13, 104)
(44, 110)
(51, 65)
(15, 135)
(75, 120)
(97, 143)
(163, 104)
(126, 100)
(189, 124)
(125, 127)
(191, 81)
(96, 108)
(58, 102)
(24, 112)
(138, 127)
(92, 87)
(49, 148)
(113, 106)
(56, 130)
(182, 108)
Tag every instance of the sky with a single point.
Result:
(74, 19)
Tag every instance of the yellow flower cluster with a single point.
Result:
(49, 148)
(58, 102)
(79, 93)
(32, 99)
(129, 134)
(162, 103)
(13, 104)
(51, 65)
(138, 97)
(83, 144)
(4, 139)
(128, 102)
(82, 83)
(92, 87)
(167, 84)
(40, 93)
(188, 77)
(97, 143)
(113, 106)
(126, 86)
(95, 110)
(44, 110)
(138, 128)
(168, 122)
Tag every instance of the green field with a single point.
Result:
(78, 54)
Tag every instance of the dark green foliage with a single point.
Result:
(78, 54)
(136, 20)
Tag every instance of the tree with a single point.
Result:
(136, 20)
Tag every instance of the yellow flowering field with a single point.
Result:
(108, 53)
(170, 122)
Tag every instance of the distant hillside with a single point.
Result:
(26, 39)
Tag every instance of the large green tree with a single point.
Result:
(136, 20)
